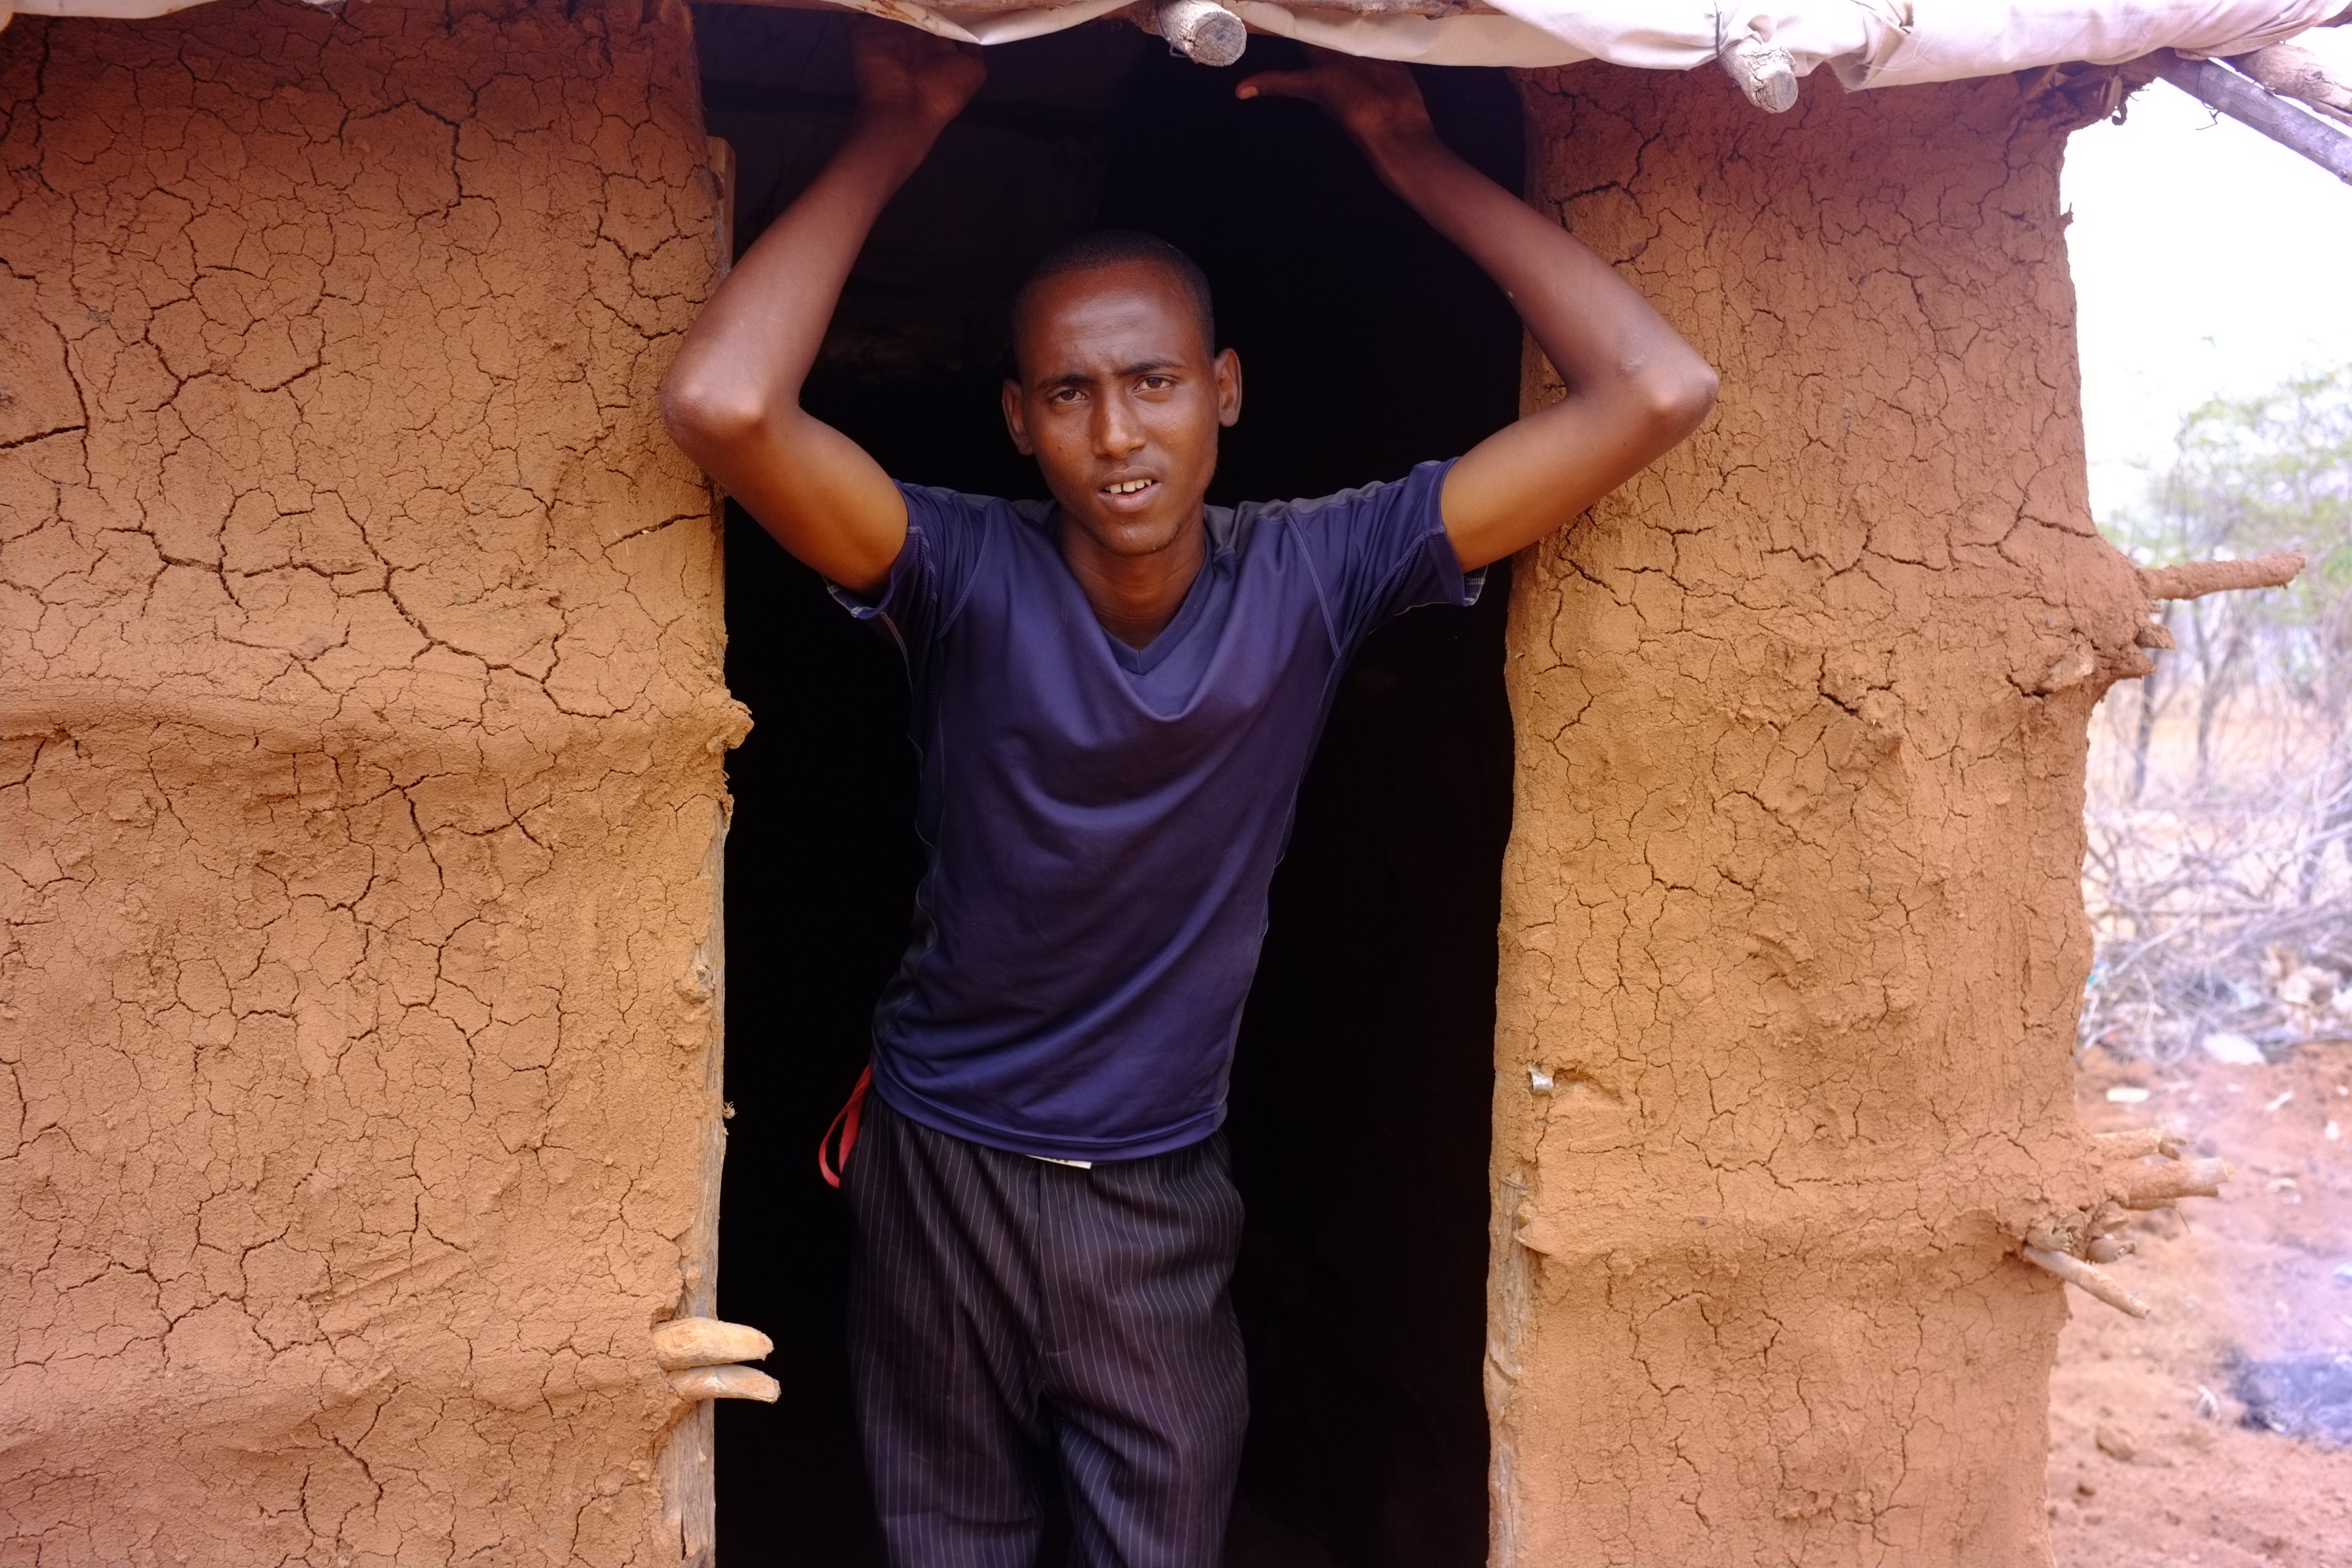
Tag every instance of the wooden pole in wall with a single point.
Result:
(689, 1484)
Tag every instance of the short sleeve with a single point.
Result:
(933, 571)
(1380, 551)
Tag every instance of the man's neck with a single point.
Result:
(1135, 596)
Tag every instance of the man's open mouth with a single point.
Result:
(1128, 487)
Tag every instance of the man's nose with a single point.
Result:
(1118, 432)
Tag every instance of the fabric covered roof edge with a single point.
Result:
(1868, 43)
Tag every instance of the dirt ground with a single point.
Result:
(2154, 1456)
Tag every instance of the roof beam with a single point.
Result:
(2284, 122)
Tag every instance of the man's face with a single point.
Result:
(1119, 401)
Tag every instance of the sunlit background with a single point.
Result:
(2207, 261)
(2213, 269)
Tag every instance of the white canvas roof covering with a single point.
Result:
(1869, 43)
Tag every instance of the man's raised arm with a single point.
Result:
(1634, 388)
(732, 399)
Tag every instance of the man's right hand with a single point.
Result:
(732, 395)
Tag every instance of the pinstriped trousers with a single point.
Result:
(1010, 1318)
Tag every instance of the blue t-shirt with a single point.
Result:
(1103, 822)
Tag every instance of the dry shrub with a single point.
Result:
(2224, 915)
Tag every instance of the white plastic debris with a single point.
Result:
(2126, 1094)
(2234, 1049)
(2306, 986)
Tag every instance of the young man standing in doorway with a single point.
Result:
(1116, 695)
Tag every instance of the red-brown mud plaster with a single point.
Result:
(1791, 912)
(361, 774)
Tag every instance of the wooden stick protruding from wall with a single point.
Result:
(690, 1349)
(699, 1383)
(707, 1341)
(2088, 1277)
(2195, 579)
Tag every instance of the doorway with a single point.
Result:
(1361, 1094)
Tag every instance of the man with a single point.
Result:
(1116, 695)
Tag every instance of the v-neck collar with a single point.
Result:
(1216, 527)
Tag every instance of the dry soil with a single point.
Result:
(2184, 1477)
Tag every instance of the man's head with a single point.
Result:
(1118, 388)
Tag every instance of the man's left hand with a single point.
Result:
(1376, 100)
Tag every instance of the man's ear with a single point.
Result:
(1015, 426)
(1229, 388)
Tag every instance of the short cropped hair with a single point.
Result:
(1114, 247)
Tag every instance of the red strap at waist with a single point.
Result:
(845, 1121)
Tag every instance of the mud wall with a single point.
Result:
(361, 786)
(1791, 923)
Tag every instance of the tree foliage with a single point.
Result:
(2247, 477)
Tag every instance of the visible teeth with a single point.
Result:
(1127, 487)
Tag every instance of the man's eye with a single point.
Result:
(1063, 394)
(1158, 383)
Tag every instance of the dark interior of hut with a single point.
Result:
(1360, 1102)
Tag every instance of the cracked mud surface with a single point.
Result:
(1791, 915)
(359, 739)
(361, 733)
